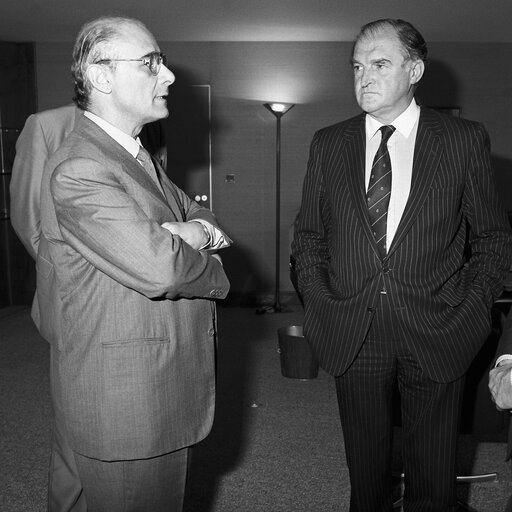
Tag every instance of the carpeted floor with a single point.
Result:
(276, 445)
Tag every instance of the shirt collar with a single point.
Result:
(404, 123)
(129, 143)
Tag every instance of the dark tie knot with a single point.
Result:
(386, 130)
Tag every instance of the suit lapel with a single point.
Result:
(169, 189)
(355, 151)
(355, 165)
(427, 154)
(131, 166)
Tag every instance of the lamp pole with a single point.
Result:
(279, 110)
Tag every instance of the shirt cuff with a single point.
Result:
(217, 240)
(507, 358)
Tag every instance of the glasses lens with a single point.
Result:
(155, 60)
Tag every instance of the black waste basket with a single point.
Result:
(297, 360)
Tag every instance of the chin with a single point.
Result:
(368, 105)
(161, 113)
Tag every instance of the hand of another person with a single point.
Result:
(191, 233)
(500, 385)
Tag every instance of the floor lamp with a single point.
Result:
(279, 110)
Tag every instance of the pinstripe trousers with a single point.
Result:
(430, 421)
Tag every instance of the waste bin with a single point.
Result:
(297, 360)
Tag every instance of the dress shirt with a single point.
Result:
(401, 153)
(216, 239)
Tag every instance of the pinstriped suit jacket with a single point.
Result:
(446, 262)
(126, 303)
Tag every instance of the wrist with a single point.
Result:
(208, 237)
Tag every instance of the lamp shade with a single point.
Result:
(277, 108)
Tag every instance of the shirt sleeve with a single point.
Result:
(217, 239)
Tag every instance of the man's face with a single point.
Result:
(138, 97)
(384, 76)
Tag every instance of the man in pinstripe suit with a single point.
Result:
(411, 306)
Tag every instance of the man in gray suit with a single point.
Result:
(41, 136)
(127, 274)
(401, 247)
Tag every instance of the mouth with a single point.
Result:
(162, 97)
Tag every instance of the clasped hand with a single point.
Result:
(500, 386)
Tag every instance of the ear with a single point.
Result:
(99, 78)
(417, 70)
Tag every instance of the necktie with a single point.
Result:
(145, 159)
(379, 190)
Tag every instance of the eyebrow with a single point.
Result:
(381, 60)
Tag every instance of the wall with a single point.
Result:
(318, 78)
(17, 101)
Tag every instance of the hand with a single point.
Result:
(217, 257)
(191, 233)
(500, 386)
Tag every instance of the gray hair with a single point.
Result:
(94, 43)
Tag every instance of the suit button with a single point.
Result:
(211, 331)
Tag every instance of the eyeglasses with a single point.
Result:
(153, 61)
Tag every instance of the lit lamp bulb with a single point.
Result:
(278, 109)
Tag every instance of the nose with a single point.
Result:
(366, 77)
(167, 74)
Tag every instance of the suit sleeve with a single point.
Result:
(310, 243)
(490, 236)
(107, 227)
(27, 171)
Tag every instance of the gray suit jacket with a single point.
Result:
(441, 294)
(128, 306)
(41, 136)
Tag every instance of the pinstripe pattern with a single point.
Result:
(441, 296)
(430, 417)
(440, 276)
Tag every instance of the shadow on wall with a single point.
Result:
(439, 87)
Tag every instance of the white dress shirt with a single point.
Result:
(401, 152)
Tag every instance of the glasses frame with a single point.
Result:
(153, 61)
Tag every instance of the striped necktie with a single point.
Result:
(145, 160)
(379, 190)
